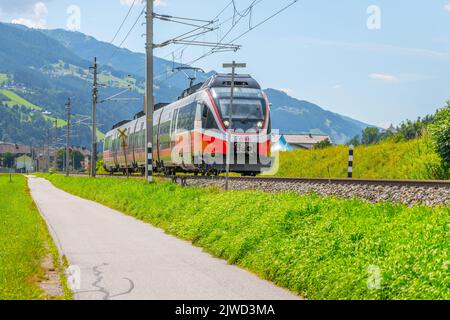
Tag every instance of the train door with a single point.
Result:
(134, 139)
(156, 138)
(114, 147)
(164, 143)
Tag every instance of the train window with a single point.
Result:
(106, 143)
(164, 135)
(186, 117)
(208, 121)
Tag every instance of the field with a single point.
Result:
(3, 78)
(24, 241)
(413, 159)
(320, 248)
(15, 99)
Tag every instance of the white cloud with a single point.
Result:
(377, 48)
(158, 3)
(384, 77)
(403, 77)
(337, 86)
(36, 18)
(447, 7)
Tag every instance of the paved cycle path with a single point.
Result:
(119, 257)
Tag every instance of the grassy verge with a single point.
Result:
(413, 159)
(321, 248)
(24, 242)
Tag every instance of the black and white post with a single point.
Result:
(350, 161)
(149, 91)
(233, 67)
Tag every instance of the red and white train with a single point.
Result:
(190, 135)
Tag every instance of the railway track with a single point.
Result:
(409, 192)
(367, 182)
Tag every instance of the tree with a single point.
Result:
(371, 135)
(8, 160)
(355, 141)
(75, 155)
(440, 130)
(323, 144)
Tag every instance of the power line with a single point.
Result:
(234, 24)
(218, 43)
(126, 37)
(265, 20)
(214, 50)
(123, 22)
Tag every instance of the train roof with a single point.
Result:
(219, 80)
(223, 80)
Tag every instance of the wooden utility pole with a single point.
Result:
(68, 106)
(94, 120)
(233, 67)
(149, 91)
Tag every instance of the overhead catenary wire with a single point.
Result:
(218, 46)
(214, 50)
(123, 22)
(126, 37)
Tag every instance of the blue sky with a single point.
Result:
(318, 50)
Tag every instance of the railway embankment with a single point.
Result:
(429, 193)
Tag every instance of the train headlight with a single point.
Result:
(260, 124)
(226, 123)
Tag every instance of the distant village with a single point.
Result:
(22, 158)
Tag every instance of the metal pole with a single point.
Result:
(55, 141)
(48, 150)
(68, 138)
(94, 121)
(149, 91)
(233, 67)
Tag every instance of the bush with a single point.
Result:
(440, 129)
(323, 144)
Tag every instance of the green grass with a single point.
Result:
(413, 159)
(24, 241)
(319, 247)
(3, 78)
(14, 99)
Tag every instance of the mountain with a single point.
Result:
(121, 59)
(291, 115)
(42, 68)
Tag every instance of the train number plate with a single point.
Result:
(244, 148)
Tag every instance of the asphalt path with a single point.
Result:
(115, 256)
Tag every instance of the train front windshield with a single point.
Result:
(249, 108)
